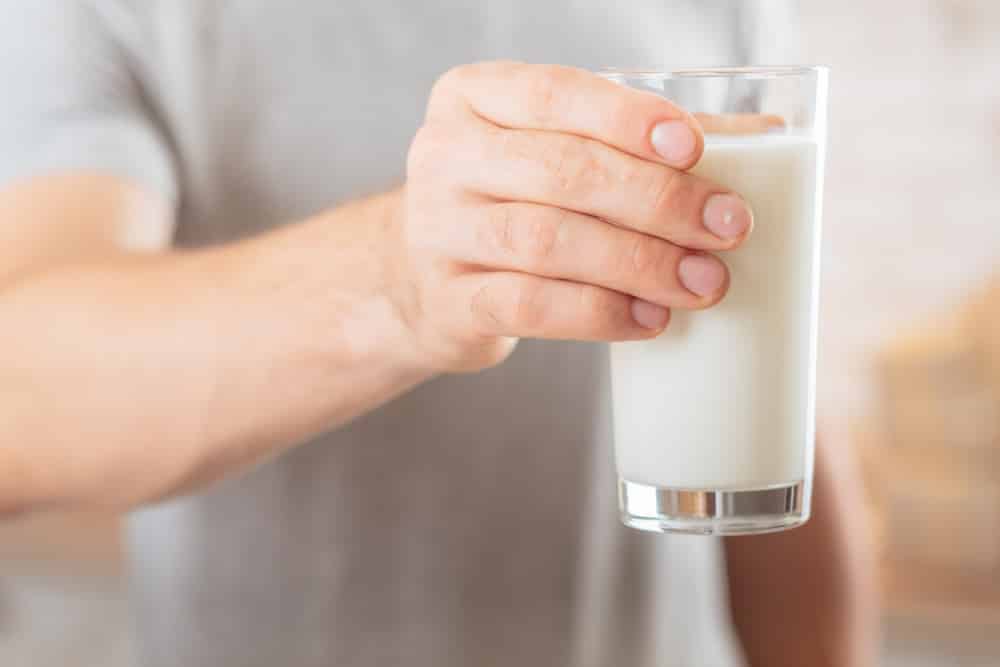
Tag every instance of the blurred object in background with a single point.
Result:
(912, 208)
(932, 460)
(912, 233)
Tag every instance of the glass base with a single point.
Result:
(711, 511)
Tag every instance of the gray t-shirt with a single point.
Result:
(473, 520)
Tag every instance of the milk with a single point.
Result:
(724, 398)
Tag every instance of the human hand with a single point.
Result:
(547, 202)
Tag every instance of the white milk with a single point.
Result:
(724, 399)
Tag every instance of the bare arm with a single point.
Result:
(128, 376)
(806, 597)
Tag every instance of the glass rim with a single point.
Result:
(728, 72)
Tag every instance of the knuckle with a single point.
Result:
(453, 93)
(544, 86)
(646, 256)
(532, 237)
(498, 233)
(507, 145)
(429, 148)
(621, 117)
(672, 195)
(446, 93)
(662, 186)
(648, 266)
(486, 310)
(540, 239)
(529, 308)
(573, 166)
(450, 81)
(602, 307)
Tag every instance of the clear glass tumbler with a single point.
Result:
(714, 419)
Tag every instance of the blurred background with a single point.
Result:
(910, 341)
(910, 348)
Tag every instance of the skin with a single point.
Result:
(808, 596)
(540, 202)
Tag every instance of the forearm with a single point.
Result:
(136, 377)
(806, 597)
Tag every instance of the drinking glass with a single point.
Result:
(714, 419)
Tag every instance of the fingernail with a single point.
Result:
(702, 274)
(649, 315)
(727, 216)
(675, 142)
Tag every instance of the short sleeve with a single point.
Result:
(770, 33)
(70, 99)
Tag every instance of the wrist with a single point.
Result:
(390, 316)
(343, 273)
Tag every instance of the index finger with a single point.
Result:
(574, 101)
(739, 123)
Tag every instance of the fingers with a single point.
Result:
(557, 243)
(562, 208)
(526, 306)
(568, 100)
(739, 123)
(588, 177)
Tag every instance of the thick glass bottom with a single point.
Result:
(712, 511)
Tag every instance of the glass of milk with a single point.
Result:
(714, 419)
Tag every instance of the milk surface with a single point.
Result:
(725, 398)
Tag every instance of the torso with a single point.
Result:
(456, 525)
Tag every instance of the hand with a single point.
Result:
(547, 202)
